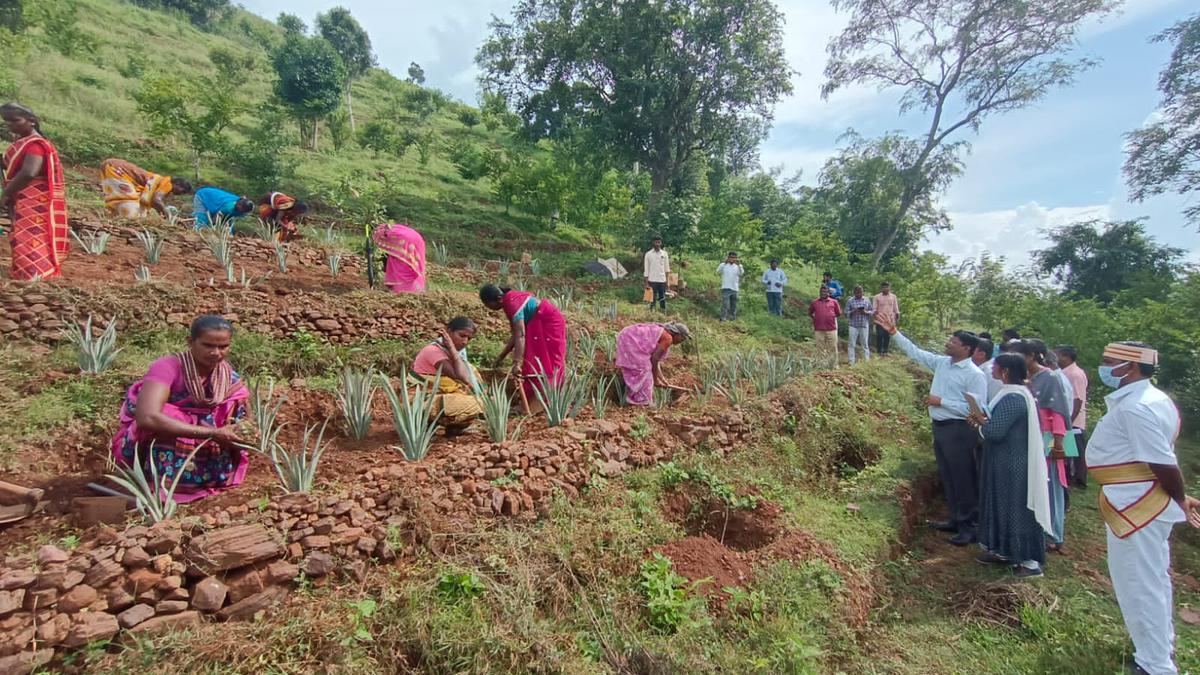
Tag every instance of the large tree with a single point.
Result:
(654, 82)
(957, 61)
(1100, 260)
(866, 186)
(311, 81)
(352, 43)
(1164, 156)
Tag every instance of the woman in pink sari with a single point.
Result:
(405, 249)
(539, 334)
(187, 401)
(640, 351)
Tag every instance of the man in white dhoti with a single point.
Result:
(1132, 455)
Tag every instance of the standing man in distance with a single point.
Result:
(774, 280)
(954, 441)
(731, 280)
(1132, 456)
(982, 358)
(860, 311)
(835, 286)
(887, 305)
(824, 312)
(656, 266)
(1079, 384)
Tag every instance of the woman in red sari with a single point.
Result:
(35, 198)
(539, 334)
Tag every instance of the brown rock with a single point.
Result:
(102, 573)
(135, 615)
(15, 639)
(72, 579)
(118, 599)
(170, 607)
(40, 598)
(11, 601)
(90, 627)
(318, 564)
(54, 630)
(53, 576)
(169, 622)
(25, 662)
(142, 580)
(315, 541)
(209, 594)
(170, 583)
(248, 608)
(161, 564)
(17, 579)
(136, 557)
(52, 554)
(77, 598)
(233, 547)
(163, 538)
(281, 571)
(245, 583)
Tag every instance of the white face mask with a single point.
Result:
(1110, 379)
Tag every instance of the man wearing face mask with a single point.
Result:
(1132, 455)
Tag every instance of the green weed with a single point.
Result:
(671, 602)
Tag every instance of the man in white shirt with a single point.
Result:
(773, 281)
(656, 266)
(954, 441)
(731, 279)
(982, 358)
(1132, 455)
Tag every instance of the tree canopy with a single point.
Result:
(1101, 260)
(653, 82)
(1164, 156)
(959, 62)
(349, 38)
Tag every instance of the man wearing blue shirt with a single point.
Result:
(954, 441)
(774, 280)
(834, 286)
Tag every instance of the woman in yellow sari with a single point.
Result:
(446, 358)
(131, 192)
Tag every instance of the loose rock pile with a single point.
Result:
(241, 561)
(31, 313)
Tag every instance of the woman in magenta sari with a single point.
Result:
(539, 334)
(187, 401)
(405, 250)
(640, 351)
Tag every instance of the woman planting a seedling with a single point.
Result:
(212, 205)
(132, 192)
(445, 361)
(641, 349)
(280, 211)
(34, 198)
(188, 401)
(404, 251)
(539, 335)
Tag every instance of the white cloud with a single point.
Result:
(1008, 233)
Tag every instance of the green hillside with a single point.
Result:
(87, 104)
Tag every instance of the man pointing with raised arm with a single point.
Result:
(1132, 456)
(954, 441)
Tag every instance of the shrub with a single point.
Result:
(671, 602)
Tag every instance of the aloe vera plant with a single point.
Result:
(281, 251)
(265, 412)
(218, 241)
(334, 260)
(355, 395)
(413, 415)
(441, 254)
(93, 242)
(93, 353)
(563, 399)
(497, 409)
(600, 395)
(297, 471)
(152, 242)
(154, 497)
(142, 274)
(261, 229)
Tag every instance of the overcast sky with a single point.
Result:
(1045, 166)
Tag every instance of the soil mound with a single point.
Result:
(702, 557)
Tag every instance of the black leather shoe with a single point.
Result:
(941, 526)
(989, 558)
(962, 539)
